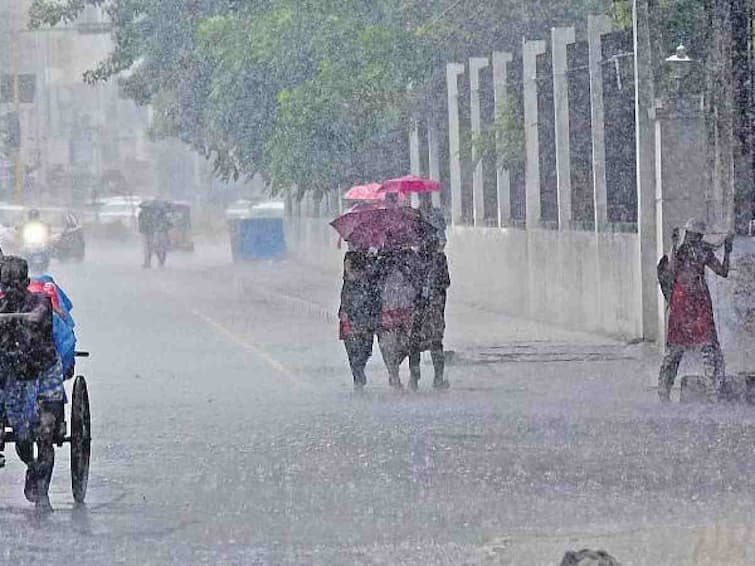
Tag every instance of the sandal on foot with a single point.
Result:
(30, 486)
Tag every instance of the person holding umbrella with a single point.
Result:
(691, 325)
(359, 312)
(154, 225)
(432, 279)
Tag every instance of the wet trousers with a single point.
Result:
(155, 244)
(359, 349)
(713, 368)
(41, 467)
(394, 347)
(439, 362)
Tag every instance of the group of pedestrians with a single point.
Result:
(397, 293)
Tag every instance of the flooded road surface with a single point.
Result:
(226, 432)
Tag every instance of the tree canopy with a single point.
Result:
(315, 94)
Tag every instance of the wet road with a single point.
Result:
(226, 433)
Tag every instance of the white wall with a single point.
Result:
(734, 307)
(572, 279)
(575, 279)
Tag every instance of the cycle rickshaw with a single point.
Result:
(78, 435)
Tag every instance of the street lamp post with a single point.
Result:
(680, 66)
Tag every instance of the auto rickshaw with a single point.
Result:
(259, 234)
(180, 233)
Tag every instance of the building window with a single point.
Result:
(27, 84)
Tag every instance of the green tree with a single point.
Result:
(311, 93)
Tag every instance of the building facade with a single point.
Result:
(66, 142)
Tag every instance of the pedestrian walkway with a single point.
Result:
(316, 292)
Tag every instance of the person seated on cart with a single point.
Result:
(31, 375)
(63, 333)
(64, 326)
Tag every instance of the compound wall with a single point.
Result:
(574, 279)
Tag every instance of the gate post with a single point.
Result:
(644, 137)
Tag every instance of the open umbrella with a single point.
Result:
(410, 184)
(368, 192)
(380, 227)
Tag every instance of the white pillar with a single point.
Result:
(597, 26)
(660, 220)
(433, 155)
(415, 167)
(453, 70)
(560, 39)
(476, 64)
(503, 179)
(530, 51)
(645, 140)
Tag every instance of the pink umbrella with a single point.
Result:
(370, 191)
(410, 184)
(379, 227)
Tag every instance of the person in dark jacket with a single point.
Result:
(359, 312)
(154, 225)
(691, 325)
(30, 371)
(429, 322)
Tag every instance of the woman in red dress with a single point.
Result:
(690, 324)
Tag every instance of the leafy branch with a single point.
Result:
(502, 141)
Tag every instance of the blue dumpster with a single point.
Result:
(260, 235)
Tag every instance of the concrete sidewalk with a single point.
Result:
(485, 348)
(317, 291)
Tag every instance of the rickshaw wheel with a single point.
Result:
(81, 439)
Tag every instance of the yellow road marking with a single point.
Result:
(243, 344)
(256, 351)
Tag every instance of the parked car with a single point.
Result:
(119, 210)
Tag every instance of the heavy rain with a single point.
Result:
(377, 282)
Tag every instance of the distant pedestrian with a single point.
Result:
(691, 325)
(359, 312)
(429, 323)
(399, 271)
(154, 225)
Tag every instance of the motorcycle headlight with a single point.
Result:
(35, 235)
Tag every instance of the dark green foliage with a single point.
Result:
(311, 93)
